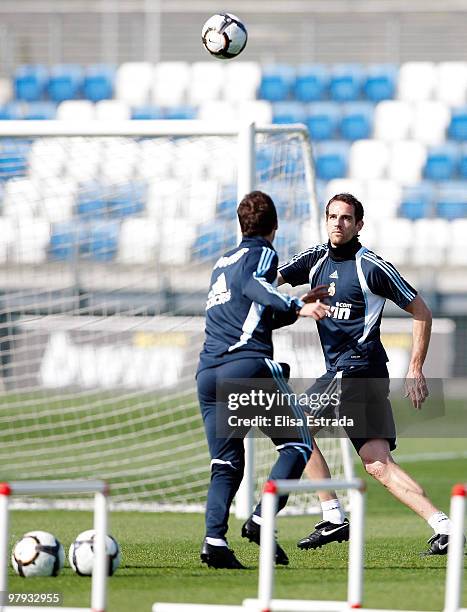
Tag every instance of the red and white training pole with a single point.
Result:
(455, 565)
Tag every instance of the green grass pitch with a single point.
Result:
(160, 553)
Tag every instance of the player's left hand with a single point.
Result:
(416, 388)
(320, 292)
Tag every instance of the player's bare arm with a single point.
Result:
(416, 387)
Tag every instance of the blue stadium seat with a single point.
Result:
(442, 162)
(322, 120)
(67, 240)
(181, 112)
(126, 200)
(92, 201)
(312, 83)
(357, 120)
(211, 240)
(288, 112)
(40, 111)
(227, 204)
(276, 82)
(65, 82)
(98, 82)
(458, 127)
(13, 159)
(12, 110)
(331, 160)
(451, 201)
(103, 240)
(380, 82)
(346, 82)
(30, 82)
(417, 201)
(147, 112)
(463, 161)
(287, 240)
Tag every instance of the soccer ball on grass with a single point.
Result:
(38, 553)
(224, 36)
(81, 553)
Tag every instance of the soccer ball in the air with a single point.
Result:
(38, 553)
(81, 553)
(224, 36)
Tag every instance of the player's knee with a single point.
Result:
(232, 468)
(377, 469)
(301, 451)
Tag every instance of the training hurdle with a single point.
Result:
(455, 565)
(32, 487)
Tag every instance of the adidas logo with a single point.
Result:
(219, 293)
(220, 286)
(334, 274)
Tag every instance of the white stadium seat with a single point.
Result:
(451, 83)
(133, 82)
(118, 159)
(31, 241)
(200, 206)
(392, 120)
(6, 90)
(7, 237)
(353, 186)
(430, 241)
(176, 240)
(76, 110)
(138, 241)
(368, 159)
(57, 199)
(170, 83)
(83, 159)
(112, 110)
(20, 198)
(407, 159)
(206, 80)
(219, 111)
(456, 252)
(241, 81)
(417, 81)
(431, 119)
(46, 157)
(155, 158)
(395, 237)
(383, 197)
(164, 199)
(259, 111)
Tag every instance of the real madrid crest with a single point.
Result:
(332, 289)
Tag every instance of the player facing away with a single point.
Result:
(243, 307)
(359, 283)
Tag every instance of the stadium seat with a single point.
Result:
(177, 238)
(118, 159)
(457, 253)
(13, 159)
(210, 241)
(311, 83)
(30, 82)
(357, 121)
(394, 238)
(227, 201)
(6, 91)
(241, 81)
(40, 111)
(430, 241)
(76, 110)
(382, 198)
(91, 202)
(332, 160)
(57, 199)
(451, 200)
(407, 159)
(163, 199)
(146, 112)
(154, 160)
(451, 85)
(206, 81)
(346, 185)
(463, 161)
(103, 240)
(169, 83)
(276, 82)
(380, 82)
(133, 83)
(322, 120)
(82, 158)
(65, 82)
(458, 126)
(46, 158)
(31, 241)
(126, 200)
(112, 110)
(346, 82)
(138, 241)
(288, 112)
(417, 81)
(442, 162)
(431, 119)
(221, 111)
(417, 201)
(200, 206)
(287, 240)
(393, 119)
(368, 159)
(180, 112)
(259, 111)
(12, 110)
(67, 240)
(20, 198)
(98, 83)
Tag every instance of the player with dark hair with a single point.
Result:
(242, 309)
(359, 284)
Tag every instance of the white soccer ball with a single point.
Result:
(38, 553)
(224, 36)
(81, 553)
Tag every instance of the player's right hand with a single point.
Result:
(320, 292)
(316, 310)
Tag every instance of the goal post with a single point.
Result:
(109, 234)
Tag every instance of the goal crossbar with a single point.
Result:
(31, 487)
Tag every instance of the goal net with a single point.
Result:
(108, 238)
